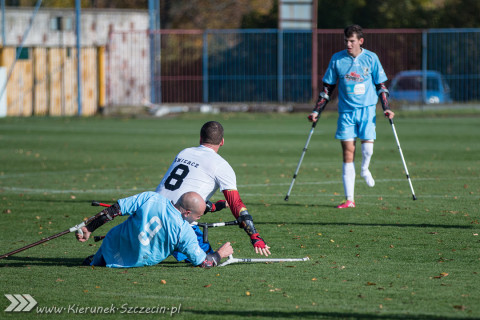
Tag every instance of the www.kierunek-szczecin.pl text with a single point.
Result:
(123, 309)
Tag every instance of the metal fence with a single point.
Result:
(455, 54)
(208, 66)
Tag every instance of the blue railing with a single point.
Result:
(270, 65)
(256, 65)
(456, 55)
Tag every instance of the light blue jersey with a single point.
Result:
(153, 231)
(356, 79)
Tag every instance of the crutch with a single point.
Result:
(205, 227)
(75, 228)
(231, 260)
(403, 159)
(301, 159)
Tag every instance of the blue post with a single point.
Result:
(205, 66)
(280, 65)
(424, 65)
(78, 6)
(151, 27)
(158, 27)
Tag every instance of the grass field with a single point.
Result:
(389, 258)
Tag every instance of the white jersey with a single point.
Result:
(199, 169)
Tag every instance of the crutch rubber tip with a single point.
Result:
(286, 198)
(95, 203)
(414, 198)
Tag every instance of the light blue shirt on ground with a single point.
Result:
(153, 230)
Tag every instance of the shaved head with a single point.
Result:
(191, 204)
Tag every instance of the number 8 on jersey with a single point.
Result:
(175, 179)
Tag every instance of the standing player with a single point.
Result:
(360, 77)
(155, 228)
(203, 170)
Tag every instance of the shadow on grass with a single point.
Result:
(319, 315)
(22, 262)
(86, 202)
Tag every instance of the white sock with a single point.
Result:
(367, 152)
(349, 179)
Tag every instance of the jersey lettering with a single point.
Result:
(146, 236)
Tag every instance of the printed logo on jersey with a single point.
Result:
(366, 71)
(353, 76)
(359, 89)
(356, 89)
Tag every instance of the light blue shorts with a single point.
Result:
(360, 124)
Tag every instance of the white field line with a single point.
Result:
(68, 191)
(264, 185)
(37, 173)
(466, 179)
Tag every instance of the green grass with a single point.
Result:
(389, 258)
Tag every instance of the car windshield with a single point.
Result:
(415, 83)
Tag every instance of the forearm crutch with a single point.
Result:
(403, 159)
(301, 159)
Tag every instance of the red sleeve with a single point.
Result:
(234, 202)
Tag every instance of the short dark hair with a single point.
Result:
(353, 29)
(211, 133)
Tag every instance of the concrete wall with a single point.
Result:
(45, 83)
(95, 24)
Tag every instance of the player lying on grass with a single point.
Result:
(154, 229)
(203, 170)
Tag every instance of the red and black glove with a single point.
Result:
(257, 241)
(214, 207)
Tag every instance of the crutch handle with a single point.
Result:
(205, 234)
(99, 204)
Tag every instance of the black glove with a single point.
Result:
(214, 207)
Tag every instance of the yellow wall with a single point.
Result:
(46, 83)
